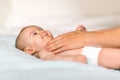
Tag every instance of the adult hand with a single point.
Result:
(67, 41)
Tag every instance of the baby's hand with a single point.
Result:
(80, 58)
(45, 55)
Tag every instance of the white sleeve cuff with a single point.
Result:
(91, 54)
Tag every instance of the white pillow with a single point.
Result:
(58, 25)
(101, 22)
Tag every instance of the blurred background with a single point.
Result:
(15, 13)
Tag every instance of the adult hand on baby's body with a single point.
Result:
(71, 40)
(68, 41)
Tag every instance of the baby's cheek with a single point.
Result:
(38, 45)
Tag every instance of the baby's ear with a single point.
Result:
(29, 50)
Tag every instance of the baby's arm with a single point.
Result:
(75, 58)
(50, 56)
(110, 58)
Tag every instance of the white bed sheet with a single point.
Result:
(16, 65)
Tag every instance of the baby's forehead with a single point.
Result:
(28, 29)
(32, 28)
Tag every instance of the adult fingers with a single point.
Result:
(53, 45)
(81, 28)
(61, 49)
(53, 41)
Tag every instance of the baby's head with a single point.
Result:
(32, 39)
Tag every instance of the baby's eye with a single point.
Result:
(35, 33)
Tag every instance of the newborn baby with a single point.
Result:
(32, 39)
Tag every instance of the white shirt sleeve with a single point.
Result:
(91, 54)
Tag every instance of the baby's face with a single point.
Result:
(36, 37)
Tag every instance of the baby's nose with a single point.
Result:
(43, 33)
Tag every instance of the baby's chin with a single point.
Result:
(48, 39)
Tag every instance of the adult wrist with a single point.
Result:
(92, 39)
(86, 39)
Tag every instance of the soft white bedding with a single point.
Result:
(16, 65)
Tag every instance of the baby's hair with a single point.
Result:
(17, 45)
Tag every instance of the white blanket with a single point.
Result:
(17, 65)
